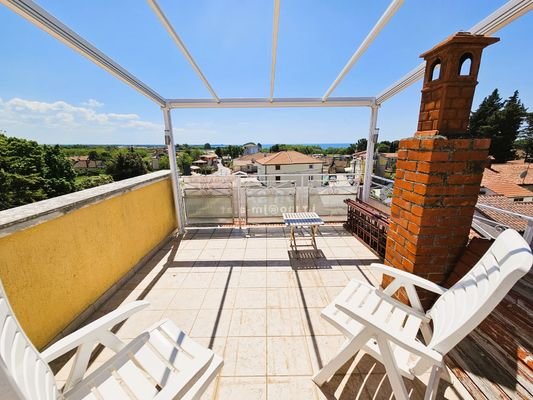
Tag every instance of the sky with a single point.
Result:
(51, 94)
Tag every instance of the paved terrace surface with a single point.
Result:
(243, 294)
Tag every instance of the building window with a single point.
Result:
(310, 178)
(278, 167)
(277, 178)
(310, 166)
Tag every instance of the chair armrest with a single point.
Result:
(380, 329)
(96, 331)
(408, 278)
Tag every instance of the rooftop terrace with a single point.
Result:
(243, 293)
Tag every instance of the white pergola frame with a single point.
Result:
(29, 10)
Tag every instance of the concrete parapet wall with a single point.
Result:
(59, 256)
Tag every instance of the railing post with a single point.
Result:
(174, 174)
(370, 146)
(528, 234)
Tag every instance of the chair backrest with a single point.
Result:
(467, 303)
(23, 373)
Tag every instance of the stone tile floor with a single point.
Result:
(244, 294)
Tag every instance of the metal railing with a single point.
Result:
(369, 224)
(264, 198)
(381, 190)
(490, 228)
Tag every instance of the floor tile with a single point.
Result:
(253, 279)
(333, 278)
(280, 279)
(283, 298)
(291, 387)
(250, 298)
(197, 280)
(159, 299)
(314, 324)
(219, 298)
(209, 323)
(313, 297)
(248, 322)
(245, 356)
(170, 280)
(242, 388)
(187, 299)
(288, 356)
(226, 278)
(284, 322)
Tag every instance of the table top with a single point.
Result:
(302, 219)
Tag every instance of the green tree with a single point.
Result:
(30, 172)
(58, 173)
(383, 147)
(93, 155)
(483, 121)
(274, 148)
(500, 121)
(184, 161)
(234, 151)
(526, 137)
(88, 182)
(126, 165)
(164, 162)
(218, 152)
(512, 117)
(361, 144)
(207, 146)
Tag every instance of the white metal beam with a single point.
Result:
(504, 15)
(370, 146)
(175, 179)
(168, 26)
(385, 18)
(48, 23)
(275, 30)
(274, 103)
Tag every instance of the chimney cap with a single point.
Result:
(461, 38)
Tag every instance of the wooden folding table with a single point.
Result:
(302, 220)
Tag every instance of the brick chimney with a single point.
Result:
(439, 171)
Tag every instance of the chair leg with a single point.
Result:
(433, 384)
(347, 351)
(395, 378)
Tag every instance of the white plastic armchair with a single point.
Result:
(161, 363)
(387, 329)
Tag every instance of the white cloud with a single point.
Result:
(92, 103)
(70, 123)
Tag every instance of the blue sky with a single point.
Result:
(51, 94)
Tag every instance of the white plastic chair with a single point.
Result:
(160, 363)
(387, 329)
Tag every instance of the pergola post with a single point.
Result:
(174, 174)
(370, 147)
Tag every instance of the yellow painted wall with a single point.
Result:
(54, 271)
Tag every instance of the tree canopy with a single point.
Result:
(500, 121)
(31, 172)
(126, 165)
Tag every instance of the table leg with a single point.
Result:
(313, 234)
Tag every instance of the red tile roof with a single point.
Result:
(500, 185)
(287, 158)
(510, 171)
(505, 203)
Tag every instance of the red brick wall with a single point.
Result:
(435, 192)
